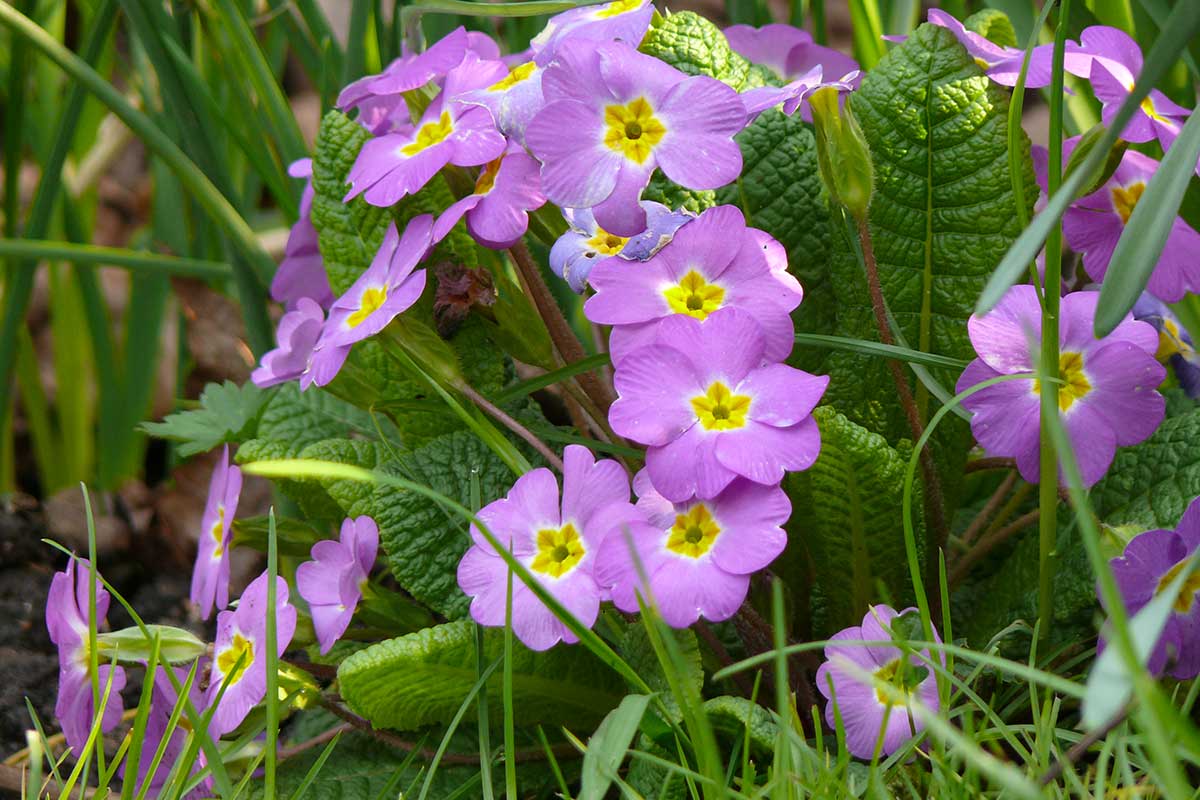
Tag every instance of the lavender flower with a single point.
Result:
(795, 94)
(513, 100)
(556, 539)
(1107, 398)
(586, 244)
(1175, 345)
(698, 555)
(622, 20)
(210, 577)
(613, 114)
(709, 410)
(163, 699)
(333, 582)
(787, 51)
(297, 335)
(497, 211)
(301, 274)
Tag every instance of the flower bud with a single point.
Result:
(842, 152)
(131, 645)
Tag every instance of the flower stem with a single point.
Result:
(1048, 361)
(504, 419)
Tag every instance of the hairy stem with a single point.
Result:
(987, 544)
(520, 430)
(980, 522)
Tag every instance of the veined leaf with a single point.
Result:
(993, 25)
(731, 716)
(227, 413)
(695, 46)
(609, 744)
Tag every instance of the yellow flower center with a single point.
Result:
(217, 532)
(694, 296)
(1075, 384)
(1170, 341)
(368, 304)
(606, 243)
(633, 130)
(1125, 199)
(983, 65)
(1187, 594)
(693, 533)
(1150, 111)
(888, 672)
(487, 177)
(519, 73)
(718, 409)
(227, 659)
(558, 551)
(431, 133)
(618, 8)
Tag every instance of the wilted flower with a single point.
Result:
(709, 410)
(297, 335)
(67, 622)
(613, 114)
(698, 555)
(1151, 561)
(240, 655)
(332, 583)
(586, 244)
(497, 211)
(301, 274)
(1107, 397)
(712, 262)
(622, 20)
(863, 708)
(557, 540)
(210, 576)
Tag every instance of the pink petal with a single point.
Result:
(763, 453)
(782, 395)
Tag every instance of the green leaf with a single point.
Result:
(421, 678)
(731, 716)
(695, 46)
(607, 747)
(993, 25)
(227, 413)
(636, 649)
(845, 509)
(942, 217)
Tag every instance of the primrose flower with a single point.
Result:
(795, 94)
(708, 409)
(325, 362)
(622, 20)
(394, 165)
(1107, 397)
(497, 211)
(613, 114)
(711, 263)
(67, 622)
(1151, 561)
(1175, 345)
(297, 335)
(698, 556)
(163, 699)
(301, 274)
(845, 681)
(210, 577)
(586, 244)
(787, 51)
(239, 654)
(556, 539)
(513, 100)
(386, 289)
(332, 583)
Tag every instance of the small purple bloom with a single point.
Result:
(787, 51)
(301, 274)
(1175, 344)
(67, 622)
(210, 577)
(613, 114)
(863, 708)
(386, 289)
(513, 100)
(162, 703)
(497, 211)
(711, 263)
(332, 583)
(794, 94)
(586, 244)
(1151, 561)
(709, 410)
(394, 165)
(1107, 397)
(298, 332)
(558, 541)
(622, 20)
(698, 555)
(325, 363)
(239, 653)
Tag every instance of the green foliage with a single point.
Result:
(731, 716)
(227, 413)
(695, 46)
(607, 747)
(845, 510)
(993, 25)
(421, 678)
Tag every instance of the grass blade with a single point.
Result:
(272, 696)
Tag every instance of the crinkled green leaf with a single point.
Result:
(846, 511)
(662, 190)
(993, 25)
(227, 413)
(731, 716)
(637, 651)
(421, 678)
(695, 46)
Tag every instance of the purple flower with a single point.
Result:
(1175, 345)
(297, 335)
(386, 289)
(711, 263)
(586, 244)
(162, 703)
(787, 51)
(622, 20)
(613, 114)
(698, 555)
(67, 622)
(240, 655)
(557, 540)
(709, 410)
(394, 165)
(863, 708)
(497, 211)
(332, 583)
(1107, 398)
(513, 100)
(1150, 562)
(325, 363)
(301, 274)
(210, 577)
(795, 94)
